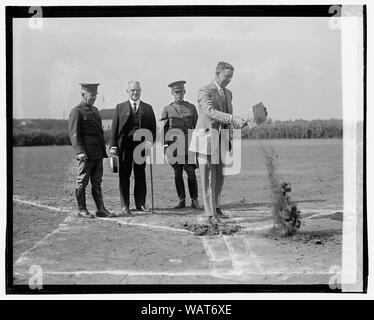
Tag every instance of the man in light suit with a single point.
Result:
(128, 117)
(215, 114)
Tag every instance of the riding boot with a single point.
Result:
(181, 204)
(98, 198)
(81, 199)
(196, 205)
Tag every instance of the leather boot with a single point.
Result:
(181, 204)
(126, 210)
(101, 210)
(220, 214)
(81, 199)
(195, 204)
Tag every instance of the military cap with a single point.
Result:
(177, 84)
(89, 87)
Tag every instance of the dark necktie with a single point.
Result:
(135, 107)
(222, 94)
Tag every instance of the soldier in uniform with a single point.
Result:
(87, 138)
(182, 115)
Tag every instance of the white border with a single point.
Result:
(352, 75)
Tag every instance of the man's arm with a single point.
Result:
(206, 104)
(195, 117)
(75, 132)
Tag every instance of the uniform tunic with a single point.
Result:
(87, 135)
(182, 116)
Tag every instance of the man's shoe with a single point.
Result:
(85, 214)
(101, 211)
(195, 205)
(215, 221)
(82, 209)
(126, 210)
(181, 204)
(220, 214)
(104, 213)
(143, 209)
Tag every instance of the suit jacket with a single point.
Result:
(212, 118)
(86, 132)
(121, 124)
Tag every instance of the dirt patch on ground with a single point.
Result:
(307, 237)
(317, 237)
(212, 230)
(31, 224)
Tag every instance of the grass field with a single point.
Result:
(154, 248)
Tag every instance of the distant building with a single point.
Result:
(106, 117)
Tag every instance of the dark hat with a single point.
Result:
(89, 87)
(177, 84)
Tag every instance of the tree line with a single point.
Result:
(295, 129)
(41, 132)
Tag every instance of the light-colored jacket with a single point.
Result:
(212, 115)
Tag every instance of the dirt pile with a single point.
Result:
(307, 237)
(317, 237)
(286, 218)
(211, 230)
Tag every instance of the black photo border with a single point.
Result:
(13, 12)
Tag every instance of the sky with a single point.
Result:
(292, 65)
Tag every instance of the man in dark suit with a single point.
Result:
(87, 138)
(129, 117)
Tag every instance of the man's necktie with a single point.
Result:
(222, 93)
(135, 107)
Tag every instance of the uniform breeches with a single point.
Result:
(91, 170)
(191, 179)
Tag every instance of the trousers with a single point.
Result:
(126, 166)
(191, 180)
(91, 170)
(212, 182)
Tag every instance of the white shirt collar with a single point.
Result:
(132, 103)
(218, 86)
